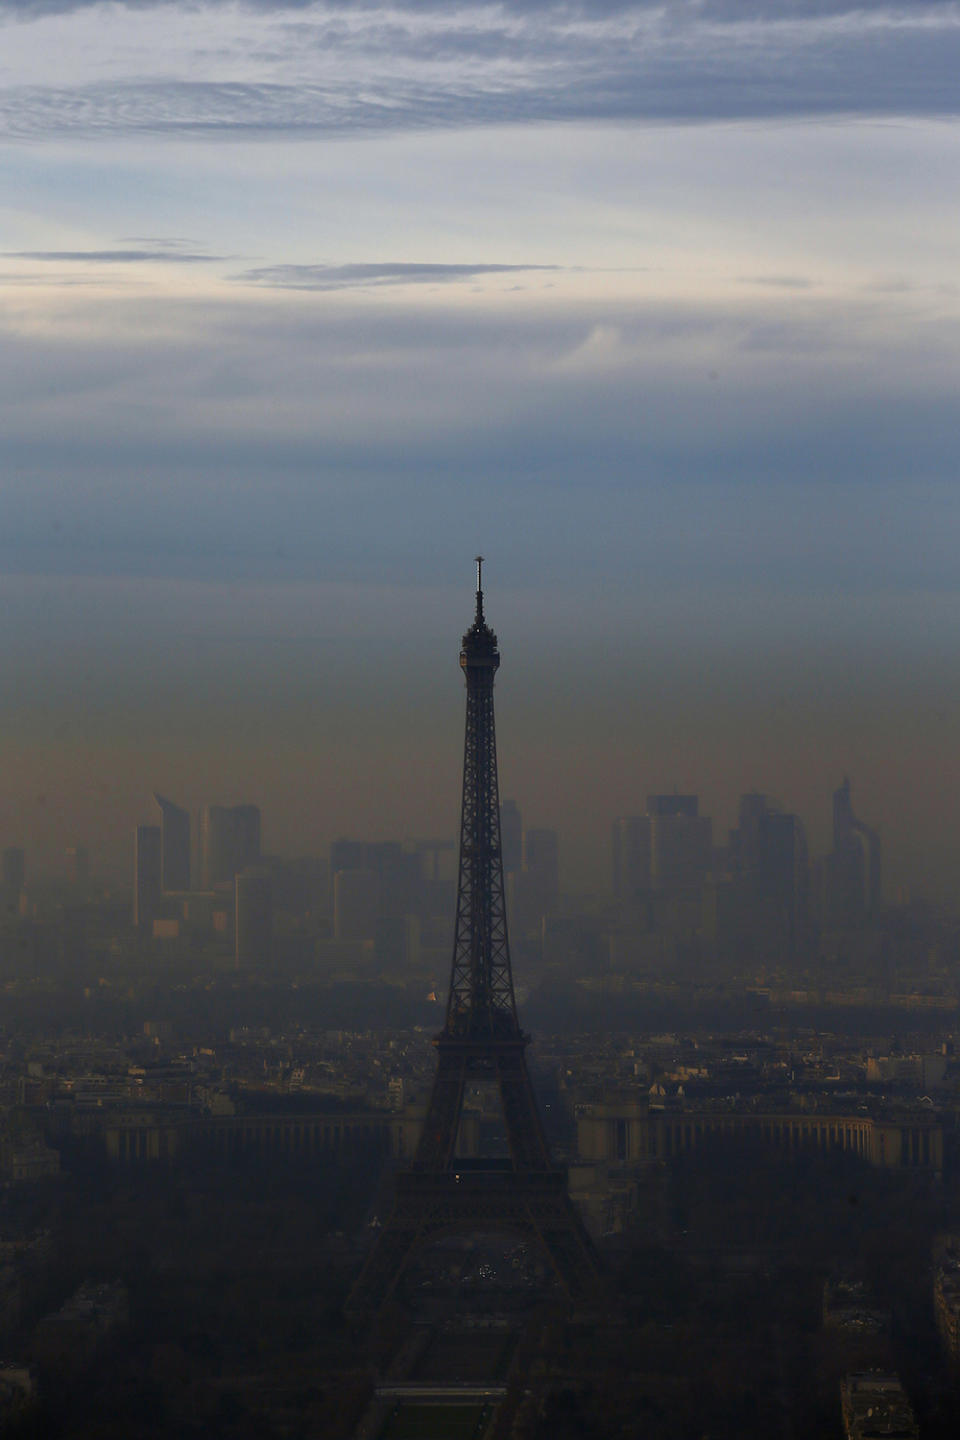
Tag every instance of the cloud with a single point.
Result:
(350, 277)
(314, 439)
(717, 11)
(111, 257)
(215, 71)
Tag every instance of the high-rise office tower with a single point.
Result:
(229, 842)
(397, 871)
(670, 848)
(783, 876)
(174, 845)
(681, 842)
(683, 806)
(534, 891)
(630, 852)
(435, 864)
(253, 918)
(481, 1041)
(853, 875)
(746, 845)
(396, 943)
(147, 870)
(348, 855)
(761, 904)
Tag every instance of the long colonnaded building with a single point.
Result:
(620, 1126)
(616, 1127)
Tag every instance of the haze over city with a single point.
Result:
(657, 306)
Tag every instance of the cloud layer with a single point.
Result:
(761, 444)
(230, 70)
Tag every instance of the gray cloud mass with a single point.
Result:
(348, 277)
(332, 439)
(416, 66)
(718, 11)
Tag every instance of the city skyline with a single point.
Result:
(304, 305)
(111, 858)
(528, 843)
(40, 824)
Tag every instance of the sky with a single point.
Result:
(303, 305)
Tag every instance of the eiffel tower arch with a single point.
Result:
(481, 1041)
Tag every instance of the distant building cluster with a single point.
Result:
(756, 895)
(682, 904)
(233, 894)
(373, 906)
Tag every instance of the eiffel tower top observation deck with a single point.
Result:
(481, 1004)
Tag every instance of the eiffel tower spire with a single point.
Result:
(481, 1041)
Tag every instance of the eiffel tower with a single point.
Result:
(481, 1041)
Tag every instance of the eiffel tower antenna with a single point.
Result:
(481, 1040)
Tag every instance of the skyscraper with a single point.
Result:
(630, 850)
(174, 845)
(783, 876)
(229, 842)
(681, 842)
(853, 875)
(397, 871)
(253, 918)
(670, 848)
(535, 891)
(147, 869)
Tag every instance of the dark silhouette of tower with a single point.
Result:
(853, 869)
(229, 842)
(148, 876)
(481, 1041)
(174, 845)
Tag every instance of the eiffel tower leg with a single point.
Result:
(528, 1146)
(438, 1139)
(571, 1252)
(383, 1267)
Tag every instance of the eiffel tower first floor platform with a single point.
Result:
(478, 1195)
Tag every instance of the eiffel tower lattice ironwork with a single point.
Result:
(481, 1041)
